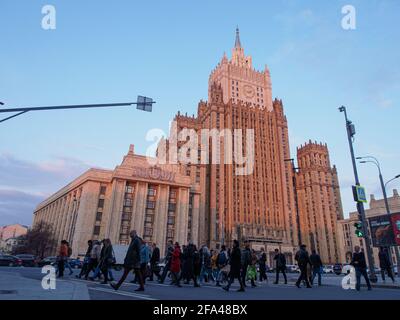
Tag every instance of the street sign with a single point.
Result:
(144, 103)
(359, 194)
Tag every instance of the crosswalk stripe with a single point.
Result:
(123, 293)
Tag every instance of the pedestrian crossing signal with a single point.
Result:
(359, 232)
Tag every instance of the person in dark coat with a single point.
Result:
(317, 266)
(132, 261)
(384, 264)
(359, 263)
(86, 259)
(189, 264)
(262, 265)
(168, 257)
(106, 259)
(175, 267)
(196, 264)
(154, 260)
(303, 260)
(236, 266)
(246, 261)
(280, 265)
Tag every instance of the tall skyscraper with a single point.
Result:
(259, 206)
(319, 200)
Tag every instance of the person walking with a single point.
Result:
(246, 261)
(236, 264)
(384, 264)
(154, 260)
(196, 264)
(214, 264)
(280, 266)
(262, 263)
(107, 259)
(222, 261)
(145, 256)
(176, 264)
(303, 260)
(132, 261)
(94, 258)
(86, 259)
(360, 265)
(62, 257)
(317, 266)
(67, 264)
(168, 258)
(252, 270)
(205, 264)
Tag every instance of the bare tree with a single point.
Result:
(39, 240)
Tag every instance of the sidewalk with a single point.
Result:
(15, 287)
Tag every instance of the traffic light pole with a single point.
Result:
(360, 205)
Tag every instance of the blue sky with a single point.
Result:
(103, 51)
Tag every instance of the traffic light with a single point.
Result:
(359, 229)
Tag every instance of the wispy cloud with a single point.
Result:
(24, 184)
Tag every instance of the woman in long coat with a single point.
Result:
(236, 265)
(176, 264)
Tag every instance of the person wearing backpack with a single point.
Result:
(280, 265)
(262, 265)
(303, 260)
(69, 253)
(246, 261)
(222, 261)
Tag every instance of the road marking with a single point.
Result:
(123, 293)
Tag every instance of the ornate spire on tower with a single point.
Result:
(237, 40)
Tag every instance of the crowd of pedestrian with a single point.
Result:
(199, 265)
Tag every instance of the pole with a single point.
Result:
(360, 205)
(296, 203)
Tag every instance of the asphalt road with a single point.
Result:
(265, 291)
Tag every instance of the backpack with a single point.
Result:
(221, 261)
(69, 251)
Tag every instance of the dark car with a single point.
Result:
(28, 260)
(10, 261)
(337, 269)
(47, 261)
(75, 263)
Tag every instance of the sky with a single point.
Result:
(112, 51)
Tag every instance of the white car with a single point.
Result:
(292, 268)
(328, 269)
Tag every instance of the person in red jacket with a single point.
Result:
(176, 264)
(62, 257)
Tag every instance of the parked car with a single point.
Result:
(337, 268)
(28, 260)
(10, 261)
(75, 263)
(328, 269)
(291, 268)
(47, 261)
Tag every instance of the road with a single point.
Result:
(266, 291)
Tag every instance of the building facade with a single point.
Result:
(346, 230)
(319, 201)
(158, 202)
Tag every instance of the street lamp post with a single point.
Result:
(142, 103)
(296, 203)
(375, 161)
(360, 206)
